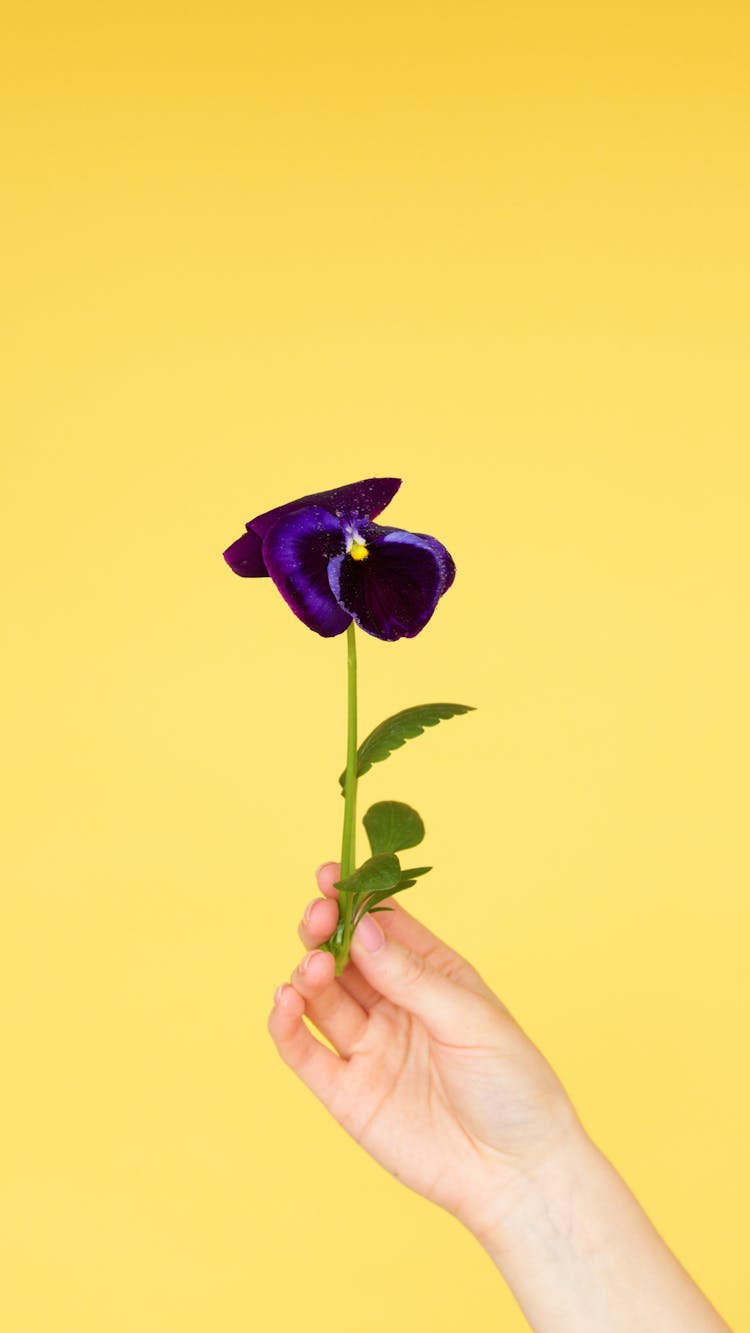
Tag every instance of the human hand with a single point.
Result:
(432, 1076)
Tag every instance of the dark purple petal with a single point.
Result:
(297, 549)
(360, 499)
(394, 591)
(445, 559)
(245, 556)
(447, 564)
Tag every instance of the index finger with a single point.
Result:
(326, 875)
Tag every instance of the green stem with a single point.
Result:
(349, 837)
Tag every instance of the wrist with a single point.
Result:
(579, 1253)
(548, 1235)
(536, 1193)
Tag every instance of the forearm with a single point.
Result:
(581, 1256)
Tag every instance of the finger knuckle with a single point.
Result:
(414, 967)
(447, 961)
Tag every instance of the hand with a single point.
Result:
(433, 1077)
(438, 1082)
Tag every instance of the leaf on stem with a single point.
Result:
(379, 874)
(369, 902)
(397, 730)
(391, 826)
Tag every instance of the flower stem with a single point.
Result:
(349, 837)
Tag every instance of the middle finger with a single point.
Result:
(316, 926)
(319, 922)
(332, 1009)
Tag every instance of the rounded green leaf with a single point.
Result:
(391, 826)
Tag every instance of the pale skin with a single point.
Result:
(437, 1081)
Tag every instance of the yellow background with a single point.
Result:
(250, 251)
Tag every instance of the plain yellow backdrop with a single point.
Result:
(250, 251)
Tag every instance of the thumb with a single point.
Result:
(449, 1011)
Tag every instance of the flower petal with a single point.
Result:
(360, 499)
(297, 549)
(447, 563)
(444, 556)
(393, 593)
(245, 556)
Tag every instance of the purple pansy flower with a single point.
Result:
(332, 564)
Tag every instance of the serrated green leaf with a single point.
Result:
(397, 730)
(379, 874)
(392, 826)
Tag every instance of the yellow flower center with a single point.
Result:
(358, 551)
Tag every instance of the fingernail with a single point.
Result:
(322, 866)
(277, 993)
(369, 934)
(306, 960)
(308, 910)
